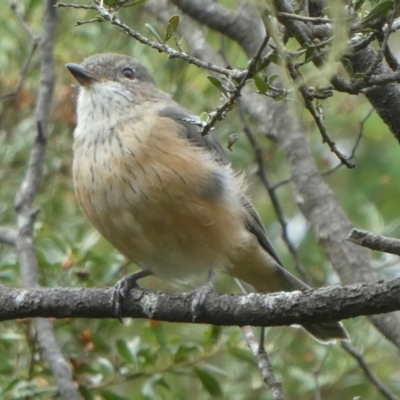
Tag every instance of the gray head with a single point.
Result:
(117, 70)
(113, 88)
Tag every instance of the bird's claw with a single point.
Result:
(122, 289)
(200, 294)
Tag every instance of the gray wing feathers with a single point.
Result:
(191, 132)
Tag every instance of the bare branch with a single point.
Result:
(242, 25)
(368, 372)
(378, 88)
(319, 205)
(8, 235)
(318, 120)
(355, 146)
(162, 47)
(35, 39)
(375, 242)
(26, 28)
(313, 20)
(272, 194)
(251, 71)
(23, 72)
(274, 309)
(316, 373)
(26, 213)
(264, 365)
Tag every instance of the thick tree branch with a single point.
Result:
(242, 25)
(361, 61)
(378, 96)
(326, 217)
(8, 235)
(284, 308)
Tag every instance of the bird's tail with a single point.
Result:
(264, 274)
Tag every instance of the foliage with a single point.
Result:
(149, 359)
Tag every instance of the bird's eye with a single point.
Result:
(128, 73)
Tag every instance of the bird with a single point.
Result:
(163, 194)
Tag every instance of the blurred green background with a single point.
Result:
(156, 360)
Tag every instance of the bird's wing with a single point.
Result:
(192, 132)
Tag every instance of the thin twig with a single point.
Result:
(384, 44)
(35, 39)
(339, 165)
(313, 20)
(318, 120)
(23, 72)
(272, 194)
(251, 71)
(316, 372)
(368, 372)
(26, 28)
(162, 47)
(79, 6)
(264, 364)
(355, 146)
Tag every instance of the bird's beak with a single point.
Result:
(82, 75)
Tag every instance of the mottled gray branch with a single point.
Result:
(326, 217)
(316, 200)
(242, 25)
(24, 205)
(375, 242)
(382, 89)
(8, 236)
(283, 308)
(190, 30)
(384, 98)
(264, 364)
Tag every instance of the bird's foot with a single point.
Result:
(200, 294)
(122, 289)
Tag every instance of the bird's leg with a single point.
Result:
(200, 293)
(122, 288)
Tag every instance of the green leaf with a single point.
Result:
(310, 52)
(381, 10)
(261, 85)
(135, 3)
(209, 382)
(243, 355)
(154, 32)
(150, 385)
(204, 117)
(275, 58)
(348, 66)
(172, 27)
(217, 83)
(86, 394)
(125, 352)
(358, 5)
(185, 351)
(272, 78)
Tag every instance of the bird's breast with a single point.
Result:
(161, 201)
